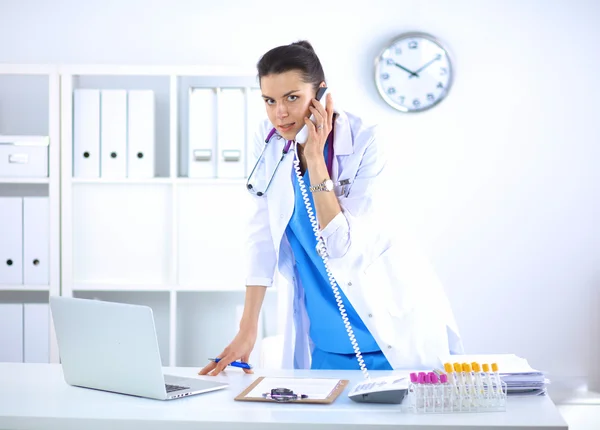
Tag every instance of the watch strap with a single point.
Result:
(321, 186)
(318, 187)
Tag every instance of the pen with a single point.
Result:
(239, 364)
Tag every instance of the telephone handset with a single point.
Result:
(302, 135)
(389, 389)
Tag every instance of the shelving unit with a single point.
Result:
(171, 242)
(30, 105)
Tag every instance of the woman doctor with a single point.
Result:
(394, 317)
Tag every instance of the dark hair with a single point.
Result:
(295, 56)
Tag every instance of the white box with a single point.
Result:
(11, 240)
(202, 139)
(24, 156)
(11, 333)
(113, 134)
(232, 133)
(140, 134)
(36, 336)
(36, 240)
(86, 133)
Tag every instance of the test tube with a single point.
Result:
(468, 381)
(412, 391)
(452, 380)
(469, 377)
(458, 382)
(490, 394)
(449, 372)
(447, 393)
(420, 390)
(428, 405)
(437, 392)
(497, 381)
(479, 383)
(448, 369)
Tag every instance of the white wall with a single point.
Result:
(499, 179)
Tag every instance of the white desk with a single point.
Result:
(35, 396)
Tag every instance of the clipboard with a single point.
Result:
(333, 386)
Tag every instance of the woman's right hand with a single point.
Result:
(239, 349)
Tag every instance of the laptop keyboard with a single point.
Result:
(171, 388)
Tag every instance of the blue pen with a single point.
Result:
(239, 364)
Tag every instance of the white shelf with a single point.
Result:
(24, 180)
(24, 288)
(132, 181)
(134, 288)
(28, 69)
(179, 181)
(211, 181)
(207, 289)
(121, 287)
(152, 70)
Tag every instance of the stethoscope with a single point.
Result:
(284, 152)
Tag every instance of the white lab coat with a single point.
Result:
(393, 291)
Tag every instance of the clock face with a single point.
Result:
(413, 73)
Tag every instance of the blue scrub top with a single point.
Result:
(327, 330)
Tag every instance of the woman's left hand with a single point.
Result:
(319, 129)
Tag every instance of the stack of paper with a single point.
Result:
(521, 379)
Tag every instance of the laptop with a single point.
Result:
(113, 347)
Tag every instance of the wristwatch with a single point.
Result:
(326, 185)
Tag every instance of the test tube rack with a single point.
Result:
(437, 394)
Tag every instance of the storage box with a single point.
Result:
(24, 156)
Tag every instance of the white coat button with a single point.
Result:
(370, 315)
(349, 284)
(389, 346)
(281, 216)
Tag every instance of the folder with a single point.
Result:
(11, 333)
(86, 133)
(202, 133)
(231, 135)
(36, 240)
(140, 134)
(256, 114)
(36, 336)
(113, 134)
(11, 240)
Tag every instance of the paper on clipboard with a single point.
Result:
(317, 390)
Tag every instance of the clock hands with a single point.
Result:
(437, 57)
(406, 70)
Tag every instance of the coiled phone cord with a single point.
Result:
(322, 251)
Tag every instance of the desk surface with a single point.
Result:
(35, 396)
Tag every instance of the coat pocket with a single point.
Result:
(384, 286)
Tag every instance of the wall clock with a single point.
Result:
(413, 72)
